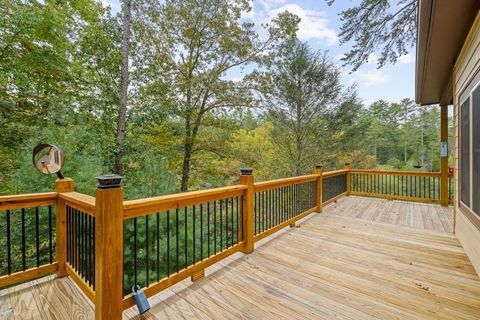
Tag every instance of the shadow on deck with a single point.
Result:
(361, 258)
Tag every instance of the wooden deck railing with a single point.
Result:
(107, 245)
(399, 185)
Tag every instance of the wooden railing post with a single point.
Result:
(319, 194)
(348, 167)
(109, 248)
(62, 186)
(444, 156)
(248, 213)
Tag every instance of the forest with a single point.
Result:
(151, 93)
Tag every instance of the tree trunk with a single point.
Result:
(122, 112)
(187, 156)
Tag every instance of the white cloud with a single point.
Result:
(313, 24)
(407, 58)
(105, 3)
(372, 58)
(371, 77)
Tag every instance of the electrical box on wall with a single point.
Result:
(443, 149)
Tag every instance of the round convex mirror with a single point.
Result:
(48, 159)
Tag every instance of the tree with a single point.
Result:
(193, 45)
(386, 25)
(303, 86)
(122, 112)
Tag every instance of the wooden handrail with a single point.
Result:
(272, 184)
(79, 201)
(335, 173)
(27, 200)
(397, 173)
(141, 207)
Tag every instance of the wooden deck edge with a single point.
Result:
(271, 231)
(334, 199)
(82, 285)
(28, 275)
(394, 197)
(163, 284)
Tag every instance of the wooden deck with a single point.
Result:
(360, 259)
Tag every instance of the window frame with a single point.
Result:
(467, 94)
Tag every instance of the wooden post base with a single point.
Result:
(198, 275)
(292, 225)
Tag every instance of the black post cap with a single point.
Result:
(318, 166)
(246, 171)
(108, 181)
(347, 163)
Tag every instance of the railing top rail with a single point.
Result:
(335, 173)
(31, 200)
(272, 184)
(141, 207)
(80, 201)
(28, 197)
(399, 173)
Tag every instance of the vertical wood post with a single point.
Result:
(62, 186)
(109, 248)
(319, 191)
(349, 180)
(248, 214)
(444, 159)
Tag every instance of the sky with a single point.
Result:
(320, 26)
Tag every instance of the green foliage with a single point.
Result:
(388, 26)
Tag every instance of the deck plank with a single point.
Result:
(362, 258)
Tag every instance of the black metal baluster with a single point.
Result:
(24, 265)
(88, 263)
(83, 218)
(147, 251)
(50, 242)
(257, 215)
(226, 223)
(215, 226)
(135, 251)
(158, 246)
(37, 236)
(9, 248)
(238, 207)
(194, 227)
(93, 253)
(270, 209)
(87, 250)
(177, 238)
(185, 220)
(201, 231)
(264, 215)
(168, 243)
(68, 235)
(221, 225)
(208, 228)
(231, 213)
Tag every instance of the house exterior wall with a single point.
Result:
(467, 65)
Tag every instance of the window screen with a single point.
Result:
(465, 152)
(476, 150)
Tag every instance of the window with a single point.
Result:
(465, 152)
(476, 150)
(469, 162)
